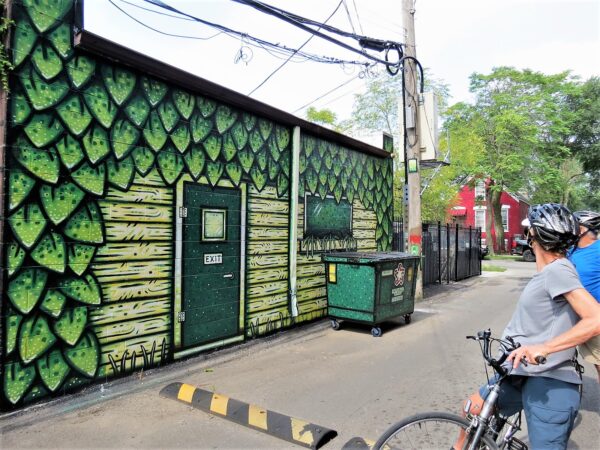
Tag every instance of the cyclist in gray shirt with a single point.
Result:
(553, 315)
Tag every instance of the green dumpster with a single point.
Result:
(370, 287)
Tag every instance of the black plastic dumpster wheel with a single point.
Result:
(376, 332)
(407, 318)
(335, 324)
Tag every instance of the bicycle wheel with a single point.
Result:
(433, 430)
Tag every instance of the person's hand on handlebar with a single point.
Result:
(528, 354)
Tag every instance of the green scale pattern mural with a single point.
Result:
(81, 130)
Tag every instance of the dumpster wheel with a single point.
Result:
(407, 318)
(335, 324)
(376, 332)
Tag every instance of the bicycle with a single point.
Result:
(488, 430)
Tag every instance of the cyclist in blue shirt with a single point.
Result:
(586, 259)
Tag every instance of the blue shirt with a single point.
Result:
(587, 262)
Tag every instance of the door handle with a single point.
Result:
(228, 275)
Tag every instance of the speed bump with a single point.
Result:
(279, 425)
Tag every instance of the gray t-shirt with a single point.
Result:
(543, 313)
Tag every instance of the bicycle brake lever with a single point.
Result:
(471, 337)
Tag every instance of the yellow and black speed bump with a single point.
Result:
(279, 425)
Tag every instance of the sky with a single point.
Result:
(454, 38)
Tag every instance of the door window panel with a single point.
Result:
(214, 223)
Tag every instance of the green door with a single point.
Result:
(211, 264)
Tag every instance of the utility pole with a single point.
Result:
(412, 144)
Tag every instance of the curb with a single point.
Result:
(284, 427)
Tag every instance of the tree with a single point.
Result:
(324, 117)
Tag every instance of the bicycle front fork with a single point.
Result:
(483, 418)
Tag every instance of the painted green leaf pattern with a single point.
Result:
(60, 38)
(46, 61)
(19, 187)
(137, 110)
(184, 103)
(13, 322)
(170, 165)
(123, 137)
(235, 173)
(96, 144)
(119, 82)
(70, 151)
(51, 252)
(246, 159)
(27, 224)
(80, 70)
(214, 171)
(212, 146)
(200, 127)
(80, 257)
(59, 202)
(19, 107)
(168, 115)
(194, 160)
(120, 174)
(74, 114)
(90, 179)
(53, 369)
(71, 324)
(225, 118)
(85, 356)
(35, 338)
(154, 133)
(45, 14)
(41, 94)
(144, 160)
(15, 256)
(53, 303)
(240, 135)
(100, 104)
(206, 106)
(86, 225)
(181, 137)
(18, 378)
(25, 290)
(154, 90)
(43, 129)
(24, 38)
(85, 289)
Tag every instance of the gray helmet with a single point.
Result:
(589, 219)
(554, 226)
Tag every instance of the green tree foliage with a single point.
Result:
(324, 117)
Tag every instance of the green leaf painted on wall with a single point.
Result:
(71, 324)
(261, 160)
(284, 162)
(168, 115)
(246, 159)
(53, 303)
(184, 103)
(312, 181)
(273, 149)
(225, 118)
(84, 290)
(350, 193)
(59, 202)
(53, 369)
(309, 144)
(86, 225)
(19, 107)
(248, 120)
(181, 137)
(24, 38)
(17, 380)
(41, 94)
(283, 137)
(85, 356)
(90, 179)
(74, 114)
(19, 187)
(70, 151)
(51, 252)
(170, 165)
(119, 82)
(322, 191)
(15, 256)
(229, 148)
(123, 137)
(154, 133)
(96, 144)
(337, 192)
(240, 135)
(60, 38)
(80, 70)
(265, 127)
(80, 257)
(234, 171)
(100, 104)
(43, 129)
(144, 160)
(316, 162)
(273, 169)
(206, 106)
(328, 159)
(259, 178)
(25, 290)
(331, 183)
(35, 338)
(212, 146)
(46, 61)
(282, 185)
(45, 14)
(256, 141)
(27, 224)
(13, 322)
(337, 167)
(195, 160)
(120, 174)
(200, 127)
(214, 170)
(137, 110)
(154, 90)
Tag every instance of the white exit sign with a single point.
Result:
(213, 258)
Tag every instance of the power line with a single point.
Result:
(328, 92)
(349, 17)
(357, 16)
(290, 57)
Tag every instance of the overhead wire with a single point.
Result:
(357, 16)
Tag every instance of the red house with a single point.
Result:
(471, 211)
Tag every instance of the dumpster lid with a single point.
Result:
(366, 257)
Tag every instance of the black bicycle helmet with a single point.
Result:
(589, 219)
(554, 226)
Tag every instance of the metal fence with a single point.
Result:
(450, 252)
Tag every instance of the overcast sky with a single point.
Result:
(454, 39)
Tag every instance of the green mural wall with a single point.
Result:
(96, 156)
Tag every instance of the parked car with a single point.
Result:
(522, 248)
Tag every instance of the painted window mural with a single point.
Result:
(131, 202)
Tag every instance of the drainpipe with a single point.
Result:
(293, 242)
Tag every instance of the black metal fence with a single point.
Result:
(450, 252)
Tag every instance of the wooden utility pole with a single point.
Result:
(412, 145)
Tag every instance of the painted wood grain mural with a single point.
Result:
(146, 222)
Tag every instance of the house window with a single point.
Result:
(480, 190)
(480, 218)
(505, 218)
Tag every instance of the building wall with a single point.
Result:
(96, 159)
